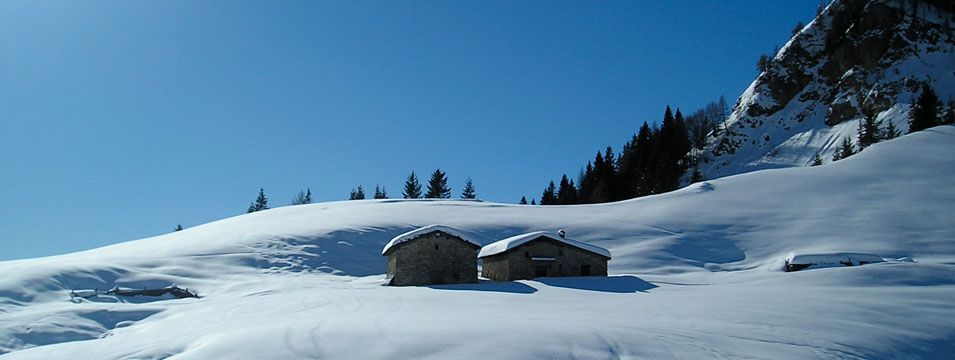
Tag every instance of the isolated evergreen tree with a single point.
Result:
(357, 194)
(468, 192)
(303, 197)
(798, 27)
(438, 186)
(261, 202)
(845, 150)
(817, 160)
(380, 192)
(533, 201)
(924, 111)
(523, 200)
(412, 187)
(178, 227)
(869, 131)
(549, 197)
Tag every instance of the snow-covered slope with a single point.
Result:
(695, 274)
(857, 57)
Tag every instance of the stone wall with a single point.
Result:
(520, 263)
(433, 259)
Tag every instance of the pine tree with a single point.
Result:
(949, 116)
(891, 132)
(924, 111)
(549, 197)
(523, 200)
(697, 175)
(468, 192)
(438, 186)
(533, 201)
(412, 187)
(868, 132)
(566, 193)
(845, 150)
(380, 192)
(303, 197)
(357, 194)
(178, 227)
(261, 202)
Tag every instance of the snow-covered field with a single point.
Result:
(695, 274)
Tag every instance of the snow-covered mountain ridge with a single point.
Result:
(695, 274)
(854, 58)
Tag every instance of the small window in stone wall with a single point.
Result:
(527, 254)
(436, 246)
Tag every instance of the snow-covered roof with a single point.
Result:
(416, 233)
(515, 241)
(832, 258)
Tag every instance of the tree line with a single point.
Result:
(437, 188)
(924, 112)
(653, 161)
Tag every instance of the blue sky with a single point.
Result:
(120, 119)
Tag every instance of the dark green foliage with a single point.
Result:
(303, 197)
(949, 116)
(468, 192)
(412, 187)
(549, 197)
(533, 201)
(924, 111)
(816, 161)
(697, 175)
(763, 63)
(261, 202)
(566, 192)
(869, 131)
(891, 132)
(438, 186)
(523, 200)
(845, 150)
(178, 227)
(652, 161)
(357, 194)
(380, 192)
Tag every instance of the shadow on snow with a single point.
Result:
(614, 284)
(493, 286)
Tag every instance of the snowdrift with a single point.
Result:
(696, 273)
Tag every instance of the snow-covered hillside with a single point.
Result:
(856, 57)
(695, 274)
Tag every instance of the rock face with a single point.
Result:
(856, 58)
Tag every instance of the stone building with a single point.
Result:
(542, 254)
(431, 255)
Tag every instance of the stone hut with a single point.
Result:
(542, 254)
(430, 255)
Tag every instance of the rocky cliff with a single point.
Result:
(856, 57)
